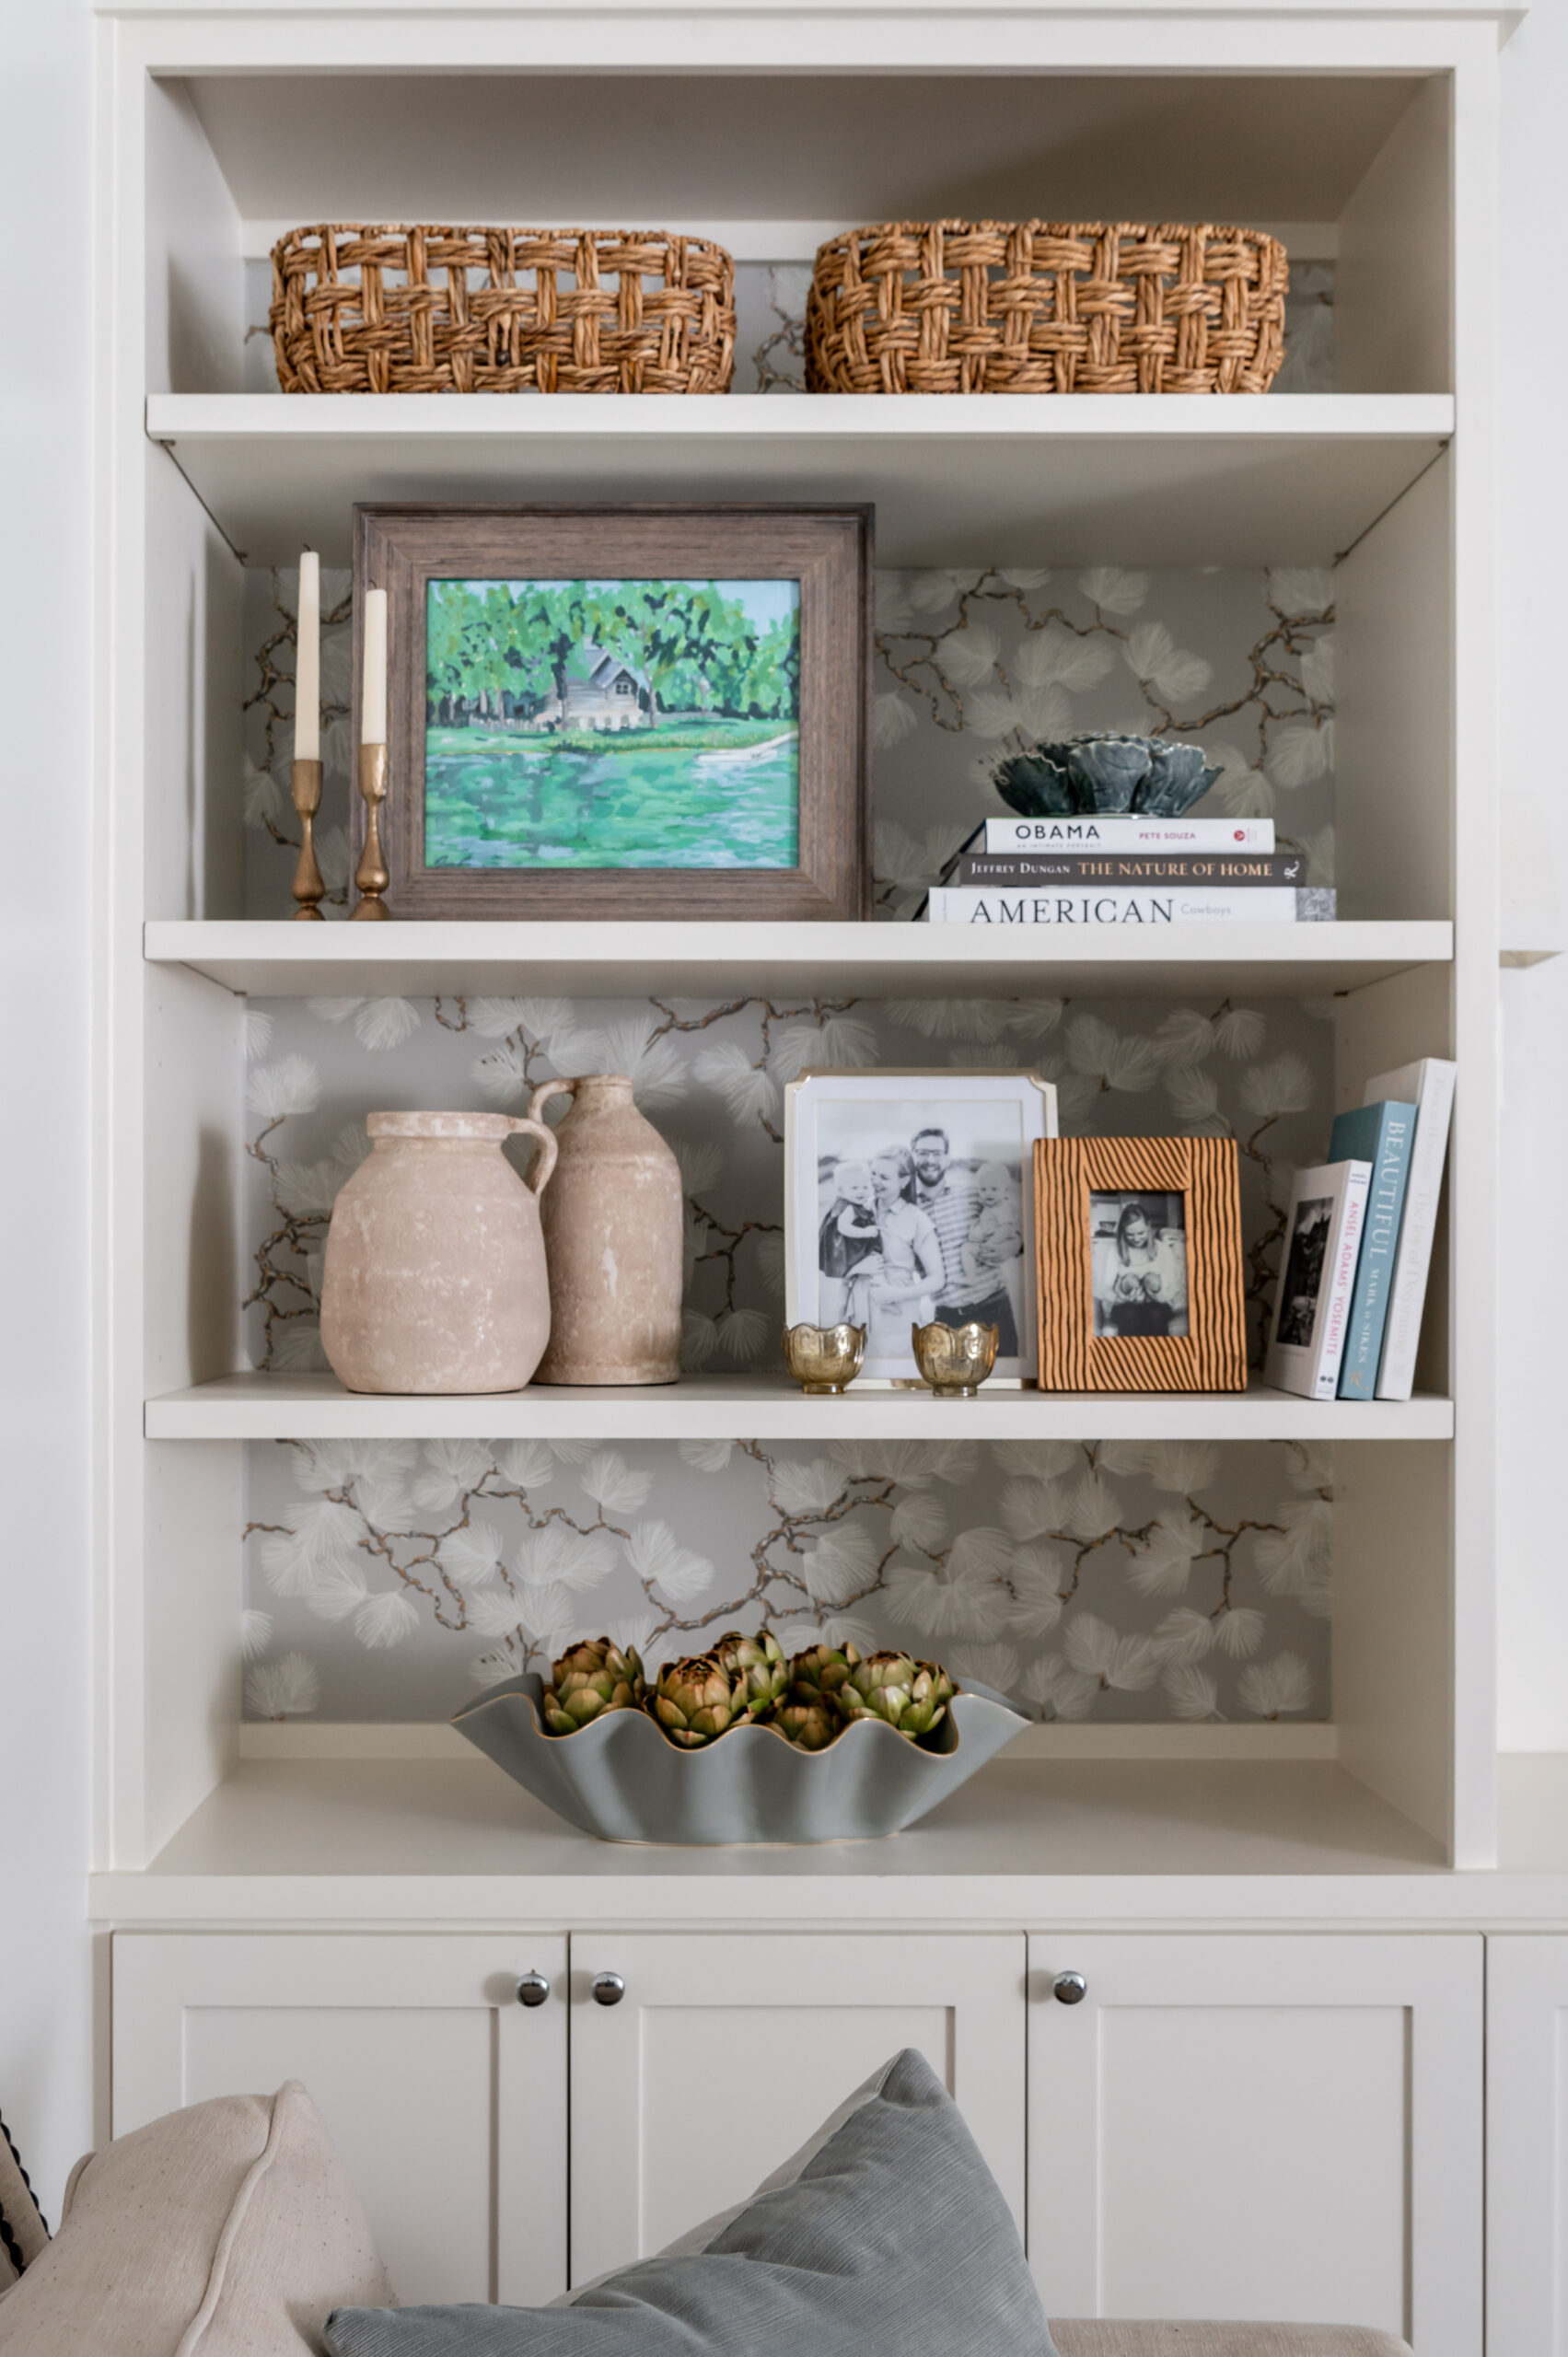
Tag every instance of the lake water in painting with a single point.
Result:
(612, 724)
(519, 802)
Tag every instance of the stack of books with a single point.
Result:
(1358, 1244)
(1100, 871)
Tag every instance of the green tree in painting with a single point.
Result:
(696, 650)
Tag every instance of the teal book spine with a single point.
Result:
(1381, 1134)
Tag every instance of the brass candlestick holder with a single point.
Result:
(370, 876)
(305, 791)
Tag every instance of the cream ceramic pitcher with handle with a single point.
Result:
(614, 1238)
(435, 1277)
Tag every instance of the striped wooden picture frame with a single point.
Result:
(1212, 1354)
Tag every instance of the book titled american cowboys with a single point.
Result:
(1095, 832)
(1140, 870)
(1089, 905)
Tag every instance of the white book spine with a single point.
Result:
(1413, 1258)
(1023, 835)
(1090, 907)
(1336, 1309)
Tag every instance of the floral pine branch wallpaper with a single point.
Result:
(971, 665)
(1131, 1580)
(1123, 1581)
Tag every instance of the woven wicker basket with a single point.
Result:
(359, 309)
(1046, 306)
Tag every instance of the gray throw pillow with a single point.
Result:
(885, 2236)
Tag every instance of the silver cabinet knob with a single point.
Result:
(532, 1989)
(1069, 1988)
(606, 1988)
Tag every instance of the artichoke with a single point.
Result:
(942, 1687)
(1103, 773)
(907, 1694)
(810, 1726)
(697, 1699)
(817, 1675)
(592, 1677)
(758, 1665)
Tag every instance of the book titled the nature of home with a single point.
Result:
(1137, 870)
(1322, 1242)
(1096, 832)
(1429, 1085)
(1103, 904)
(1381, 1134)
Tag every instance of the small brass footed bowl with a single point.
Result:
(954, 1360)
(824, 1358)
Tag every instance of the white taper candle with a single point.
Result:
(373, 699)
(307, 662)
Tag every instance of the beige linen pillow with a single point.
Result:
(228, 2230)
(23, 2230)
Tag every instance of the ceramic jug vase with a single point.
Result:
(435, 1276)
(614, 1224)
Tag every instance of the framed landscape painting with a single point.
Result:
(651, 712)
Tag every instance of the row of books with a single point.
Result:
(1358, 1244)
(1128, 871)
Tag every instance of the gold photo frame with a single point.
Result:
(1141, 1276)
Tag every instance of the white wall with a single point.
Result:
(1533, 417)
(45, 846)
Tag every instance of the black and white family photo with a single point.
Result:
(1138, 1263)
(1303, 1279)
(917, 1219)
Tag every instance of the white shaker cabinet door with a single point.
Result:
(1256, 2127)
(725, 2051)
(444, 2096)
(1526, 2147)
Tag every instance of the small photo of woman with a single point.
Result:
(1138, 1268)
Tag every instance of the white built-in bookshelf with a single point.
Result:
(214, 129)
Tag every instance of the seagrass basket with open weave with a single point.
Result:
(387, 310)
(1046, 306)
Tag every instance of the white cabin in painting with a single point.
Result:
(612, 696)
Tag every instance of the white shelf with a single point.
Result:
(740, 1407)
(1279, 1843)
(737, 154)
(282, 959)
(450, 1839)
(1031, 479)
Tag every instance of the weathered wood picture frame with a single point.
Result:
(1133, 1297)
(821, 870)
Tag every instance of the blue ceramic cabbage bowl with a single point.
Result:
(621, 1779)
